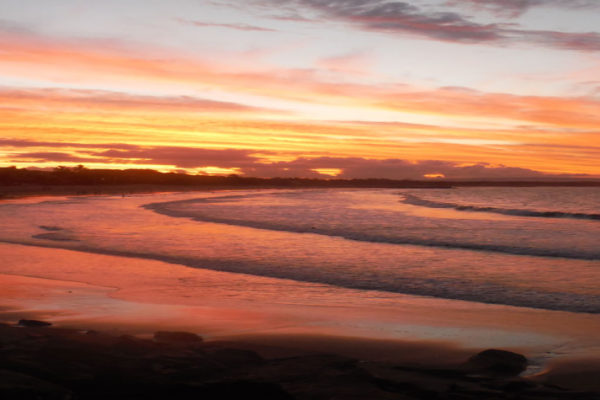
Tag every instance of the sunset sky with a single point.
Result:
(307, 88)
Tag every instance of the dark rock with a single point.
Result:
(185, 337)
(200, 369)
(234, 357)
(372, 395)
(50, 332)
(546, 393)
(481, 393)
(512, 385)
(456, 373)
(30, 367)
(115, 387)
(294, 368)
(97, 338)
(133, 346)
(42, 364)
(407, 381)
(64, 349)
(458, 396)
(164, 362)
(32, 323)
(499, 362)
(334, 382)
(15, 386)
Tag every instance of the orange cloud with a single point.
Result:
(107, 101)
(525, 126)
(252, 164)
(96, 63)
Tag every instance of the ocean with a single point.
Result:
(518, 251)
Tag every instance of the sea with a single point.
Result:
(524, 251)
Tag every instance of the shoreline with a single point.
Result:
(20, 192)
(255, 332)
(407, 316)
(571, 374)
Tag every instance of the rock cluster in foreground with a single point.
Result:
(44, 363)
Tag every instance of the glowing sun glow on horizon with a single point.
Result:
(330, 93)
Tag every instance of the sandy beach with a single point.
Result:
(121, 358)
(352, 351)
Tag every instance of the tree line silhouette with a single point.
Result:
(80, 175)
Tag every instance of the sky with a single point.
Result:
(415, 89)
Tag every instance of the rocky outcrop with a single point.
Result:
(499, 362)
(44, 363)
(16, 386)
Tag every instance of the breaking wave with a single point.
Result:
(417, 201)
(178, 209)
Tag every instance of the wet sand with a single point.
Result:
(188, 295)
(63, 363)
(297, 338)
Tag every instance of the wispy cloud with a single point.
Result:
(401, 17)
(515, 8)
(185, 157)
(101, 99)
(238, 26)
(110, 101)
(26, 55)
(575, 112)
(68, 59)
(354, 63)
(20, 143)
(398, 17)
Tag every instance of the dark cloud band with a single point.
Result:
(250, 163)
(514, 8)
(398, 17)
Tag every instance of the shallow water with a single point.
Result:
(358, 239)
(337, 249)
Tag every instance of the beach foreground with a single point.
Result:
(81, 355)
(42, 362)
